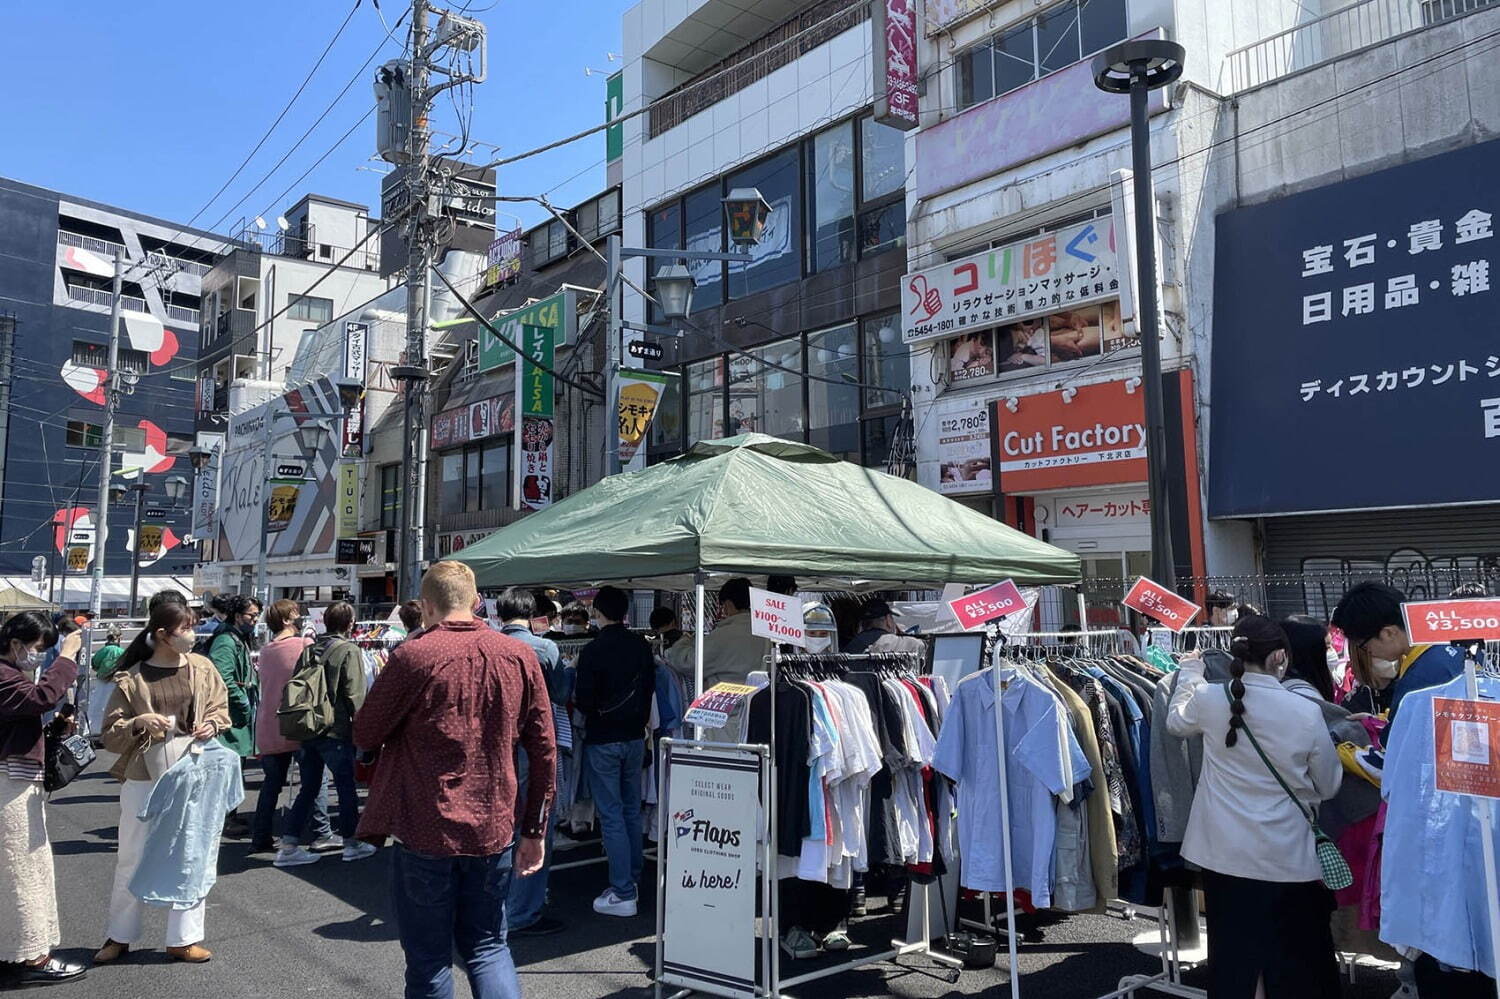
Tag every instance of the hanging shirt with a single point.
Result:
(186, 812)
(1035, 771)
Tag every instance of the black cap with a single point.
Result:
(876, 609)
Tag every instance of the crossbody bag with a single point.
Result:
(1336, 873)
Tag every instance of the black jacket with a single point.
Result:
(616, 678)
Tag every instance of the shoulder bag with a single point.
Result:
(66, 756)
(1336, 873)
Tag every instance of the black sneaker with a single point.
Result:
(545, 926)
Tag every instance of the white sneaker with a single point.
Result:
(610, 904)
(357, 850)
(294, 856)
(328, 842)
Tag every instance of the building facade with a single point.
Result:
(56, 269)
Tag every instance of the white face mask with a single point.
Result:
(573, 629)
(181, 643)
(819, 642)
(33, 658)
(1383, 669)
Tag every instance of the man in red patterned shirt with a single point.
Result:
(446, 715)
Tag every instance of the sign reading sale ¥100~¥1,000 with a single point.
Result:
(1435, 621)
(1161, 604)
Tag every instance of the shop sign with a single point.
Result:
(472, 421)
(963, 449)
(1441, 621)
(206, 488)
(1466, 741)
(777, 617)
(457, 541)
(557, 313)
(281, 503)
(536, 376)
(1126, 508)
(976, 609)
(614, 106)
(355, 551)
(713, 707)
(1091, 435)
(356, 367)
(1366, 310)
(348, 499)
(713, 812)
(1161, 604)
(640, 393)
(535, 467)
(503, 262)
(895, 62)
(1032, 277)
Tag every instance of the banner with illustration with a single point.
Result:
(640, 394)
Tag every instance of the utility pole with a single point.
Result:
(106, 442)
(418, 260)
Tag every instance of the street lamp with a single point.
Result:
(199, 456)
(118, 492)
(745, 216)
(176, 489)
(674, 291)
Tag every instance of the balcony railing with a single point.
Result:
(182, 314)
(1336, 34)
(108, 248)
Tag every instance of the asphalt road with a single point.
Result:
(326, 930)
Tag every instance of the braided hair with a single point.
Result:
(1254, 641)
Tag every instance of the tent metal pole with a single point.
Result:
(698, 580)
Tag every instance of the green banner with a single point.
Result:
(614, 105)
(550, 313)
(536, 382)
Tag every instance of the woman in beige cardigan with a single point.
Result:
(162, 690)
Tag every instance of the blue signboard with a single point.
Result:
(1356, 344)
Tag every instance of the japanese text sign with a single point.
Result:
(1161, 604)
(1436, 621)
(536, 379)
(557, 313)
(472, 422)
(1364, 308)
(1032, 277)
(712, 708)
(777, 616)
(1466, 737)
(895, 62)
(977, 609)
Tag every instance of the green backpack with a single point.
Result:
(306, 710)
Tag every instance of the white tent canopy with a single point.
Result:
(116, 589)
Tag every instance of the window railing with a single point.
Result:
(1336, 34)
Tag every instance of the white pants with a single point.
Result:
(184, 926)
(28, 899)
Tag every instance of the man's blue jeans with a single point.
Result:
(338, 756)
(274, 767)
(614, 771)
(528, 895)
(448, 903)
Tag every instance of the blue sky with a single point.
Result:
(152, 105)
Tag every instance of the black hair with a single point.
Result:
(1255, 638)
(65, 625)
(611, 603)
(28, 628)
(236, 604)
(785, 585)
(661, 617)
(574, 611)
(338, 618)
(1307, 653)
(545, 606)
(737, 591)
(167, 596)
(1367, 609)
(1469, 590)
(218, 602)
(1219, 600)
(410, 614)
(169, 615)
(516, 603)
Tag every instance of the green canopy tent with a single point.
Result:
(755, 505)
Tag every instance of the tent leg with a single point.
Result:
(698, 645)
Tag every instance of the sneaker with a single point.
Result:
(545, 926)
(859, 906)
(610, 904)
(356, 850)
(325, 842)
(294, 856)
(837, 940)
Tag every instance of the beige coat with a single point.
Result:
(131, 699)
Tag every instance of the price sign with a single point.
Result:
(976, 609)
(1161, 604)
(777, 617)
(1436, 621)
(1467, 743)
(712, 708)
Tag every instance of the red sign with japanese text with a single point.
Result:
(1466, 737)
(1161, 604)
(976, 609)
(1436, 621)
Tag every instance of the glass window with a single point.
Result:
(976, 77)
(471, 479)
(1101, 23)
(878, 434)
(609, 213)
(666, 425)
(830, 187)
(81, 434)
(1015, 58)
(882, 229)
(765, 390)
(833, 405)
(705, 400)
(1057, 38)
(887, 362)
(663, 232)
(452, 499)
(310, 309)
(882, 159)
(703, 218)
(776, 260)
(557, 240)
(494, 481)
(390, 496)
(588, 220)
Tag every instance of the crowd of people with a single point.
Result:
(469, 733)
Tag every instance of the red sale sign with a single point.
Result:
(1437, 621)
(976, 609)
(1161, 604)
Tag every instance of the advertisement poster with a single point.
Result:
(281, 503)
(714, 706)
(963, 449)
(536, 463)
(1438, 621)
(503, 263)
(1467, 741)
(640, 393)
(1161, 604)
(711, 843)
(472, 422)
(971, 356)
(151, 538)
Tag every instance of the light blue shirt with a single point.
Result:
(1432, 886)
(186, 812)
(1036, 732)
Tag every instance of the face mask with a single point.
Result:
(817, 642)
(1383, 669)
(1333, 660)
(181, 643)
(573, 629)
(35, 658)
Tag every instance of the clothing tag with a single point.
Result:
(196, 749)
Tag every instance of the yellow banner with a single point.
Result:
(640, 393)
(78, 558)
(149, 542)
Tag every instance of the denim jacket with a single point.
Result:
(186, 812)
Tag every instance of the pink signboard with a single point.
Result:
(976, 609)
(895, 28)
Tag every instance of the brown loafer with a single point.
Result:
(191, 954)
(112, 950)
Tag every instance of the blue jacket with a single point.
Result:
(1433, 667)
(186, 812)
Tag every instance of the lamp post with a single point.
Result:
(1136, 68)
(117, 493)
(745, 216)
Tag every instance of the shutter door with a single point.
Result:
(1424, 553)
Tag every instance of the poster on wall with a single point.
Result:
(712, 836)
(971, 356)
(640, 394)
(536, 462)
(963, 448)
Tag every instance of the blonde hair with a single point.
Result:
(449, 586)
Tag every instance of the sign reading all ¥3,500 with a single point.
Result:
(977, 609)
(1161, 604)
(1436, 621)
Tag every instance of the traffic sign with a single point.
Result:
(291, 470)
(645, 350)
(154, 513)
